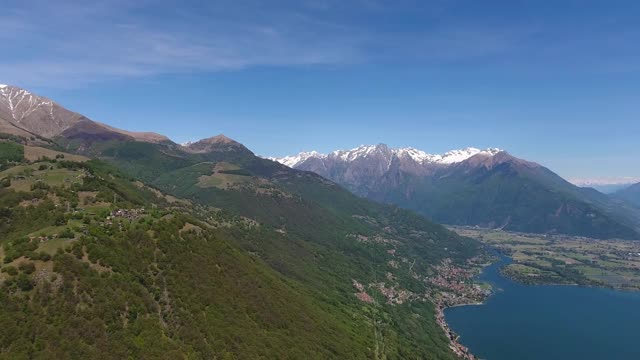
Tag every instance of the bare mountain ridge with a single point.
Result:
(23, 113)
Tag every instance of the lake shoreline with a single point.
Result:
(480, 327)
(517, 280)
(456, 346)
(460, 350)
(462, 293)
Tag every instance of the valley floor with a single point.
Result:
(561, 259)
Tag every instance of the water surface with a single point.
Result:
(549, 322)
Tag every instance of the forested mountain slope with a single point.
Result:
(222, 255)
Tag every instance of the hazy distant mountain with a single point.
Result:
(607, 185)
(629, 194)
(473, 187)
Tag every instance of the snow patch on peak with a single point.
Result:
(456, 156)
(415, 154)
(359, 152)
(2, 86)
(294, 160)
(21, 104)
(450, 157)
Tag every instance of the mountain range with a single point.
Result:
(119, 244)
(487, 188)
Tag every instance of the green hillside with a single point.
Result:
(235, 257)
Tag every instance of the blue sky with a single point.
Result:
(556, 82)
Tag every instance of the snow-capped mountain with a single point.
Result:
(373, 168)
(22, 103)
(469, 186)
(22, 113)
(367, 151)
(293, 160)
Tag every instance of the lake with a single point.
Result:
(549, 322)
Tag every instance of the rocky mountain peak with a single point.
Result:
(23, 111)
(219, 139)
(216, 143)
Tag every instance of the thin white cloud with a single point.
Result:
(71, 42)
(81, 44)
